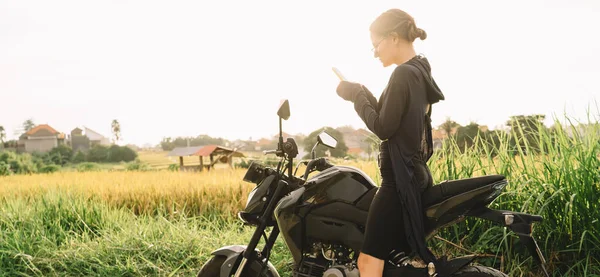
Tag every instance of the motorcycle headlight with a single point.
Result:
(256, 172)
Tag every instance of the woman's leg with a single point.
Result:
(369, 266)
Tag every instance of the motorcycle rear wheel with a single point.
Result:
(212, 268)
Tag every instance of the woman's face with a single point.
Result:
(383, 48)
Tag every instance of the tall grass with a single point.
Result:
(143, 193)
(560, 183)
(166, 223)
(66, 234)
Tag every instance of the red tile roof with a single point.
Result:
(210, 149)
(41, 127)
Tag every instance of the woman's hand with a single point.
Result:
(348, 90)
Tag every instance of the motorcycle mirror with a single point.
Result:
(327, 140)
(284, 109)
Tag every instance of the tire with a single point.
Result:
(212, 268)
(478, 271)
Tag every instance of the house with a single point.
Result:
(86, 138)
(95, 137)
(42, 138)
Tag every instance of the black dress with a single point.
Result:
(401, 118)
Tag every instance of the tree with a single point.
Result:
(169, 143)
(2, 136)
(28, 125)
(525, 130)
(116, 130)
(448, 126)
(340, 150)
(465, 136)
(59, 155)
(98, 154)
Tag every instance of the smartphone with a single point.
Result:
(338, 73)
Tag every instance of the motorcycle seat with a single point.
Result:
(446, 189)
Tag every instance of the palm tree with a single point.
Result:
(2, 136)
(116, 130)
(448, 126)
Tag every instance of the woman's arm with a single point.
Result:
(370, 97)
(395, 102)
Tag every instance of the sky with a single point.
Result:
(185, 68)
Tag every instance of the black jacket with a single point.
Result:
(401, 116)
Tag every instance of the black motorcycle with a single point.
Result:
(322, 218)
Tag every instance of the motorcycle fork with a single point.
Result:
(521, 224)
(249, 254)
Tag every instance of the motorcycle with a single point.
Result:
(322, 218)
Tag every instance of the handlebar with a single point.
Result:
(276, 152)
(319, 164)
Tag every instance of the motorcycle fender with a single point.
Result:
(453, 265)
(234, 254)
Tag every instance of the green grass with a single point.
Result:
(560, 183)
(60, 234)
(117, 223)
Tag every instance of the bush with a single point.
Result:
(138, 166)
(4, 169)
(85, 167)
(19, 164)
(98, 154)
(49, 168)
(121, 154)
(173, 167)
(112, 154)
(79, 157)
(128, 154)
(60, 155)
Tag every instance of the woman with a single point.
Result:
(401, 119)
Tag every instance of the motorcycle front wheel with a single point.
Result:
(478, 271)
(212, 268)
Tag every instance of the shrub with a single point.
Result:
(85, 167)
(49, 168)
(79, 157)
(98, 154)
(112, 154)
(60, 155)
(4, 169)
(121, 154)
(138, 166)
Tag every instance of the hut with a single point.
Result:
(215, 154)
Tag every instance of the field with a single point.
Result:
(128, 223)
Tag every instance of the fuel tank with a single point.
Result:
(331, 207)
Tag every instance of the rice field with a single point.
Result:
(163, 223)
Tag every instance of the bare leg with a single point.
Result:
(369, 266)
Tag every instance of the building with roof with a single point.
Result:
(42, 138)
(215, 153)
(86, 138)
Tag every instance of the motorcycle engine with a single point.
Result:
(340, 271)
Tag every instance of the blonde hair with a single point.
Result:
(396, 20)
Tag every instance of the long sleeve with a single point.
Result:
(370, 97)
(385, 122)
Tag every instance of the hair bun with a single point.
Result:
(421, 34)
